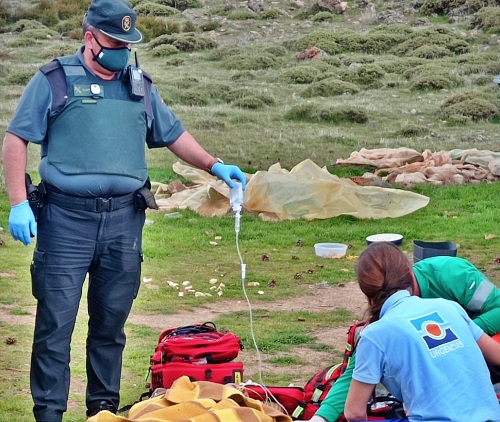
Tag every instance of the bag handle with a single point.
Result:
(206, 327)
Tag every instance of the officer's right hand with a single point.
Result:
(22, 224)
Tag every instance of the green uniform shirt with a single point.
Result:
(458, 280)
(447, 277)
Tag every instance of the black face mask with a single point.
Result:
(112, 59)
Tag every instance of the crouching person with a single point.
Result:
(427, 352)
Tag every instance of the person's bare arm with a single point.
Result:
(490, 349)
(187, 148)
(357, 399)
(15, 156)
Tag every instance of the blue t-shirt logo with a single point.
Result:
(433, 331)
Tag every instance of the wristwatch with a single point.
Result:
(211, 164)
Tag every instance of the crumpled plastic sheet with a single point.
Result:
(306, 191)
(407, 166)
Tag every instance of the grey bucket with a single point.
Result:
(422, 250)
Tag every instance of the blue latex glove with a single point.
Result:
(22, 224)
(228, 172)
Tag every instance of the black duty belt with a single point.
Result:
(95, 204)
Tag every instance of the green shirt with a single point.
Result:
(458, 280)
(447, 277)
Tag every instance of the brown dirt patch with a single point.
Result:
(344, 296)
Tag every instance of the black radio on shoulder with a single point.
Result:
(136, 80)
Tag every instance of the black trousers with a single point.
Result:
(71, 243)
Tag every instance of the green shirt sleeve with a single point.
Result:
(333, 405)
(459, 280)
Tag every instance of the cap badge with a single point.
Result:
(126, 23)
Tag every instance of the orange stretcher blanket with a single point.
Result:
(200, 401)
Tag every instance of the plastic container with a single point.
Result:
(330, 250)
(422, 250)
(394, 238)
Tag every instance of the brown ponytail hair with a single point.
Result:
(382, 270)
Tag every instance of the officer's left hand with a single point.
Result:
(22, 224)
(227, 172)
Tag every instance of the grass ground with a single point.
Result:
(255, 134)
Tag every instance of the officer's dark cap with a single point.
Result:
(114, 18)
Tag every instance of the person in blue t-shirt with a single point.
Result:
(427, 352)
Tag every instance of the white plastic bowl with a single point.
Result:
(394, 238)
(330, 250)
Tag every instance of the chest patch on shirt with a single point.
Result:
(94, 91)
(435, 334)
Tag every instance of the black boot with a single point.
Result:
(103, 405)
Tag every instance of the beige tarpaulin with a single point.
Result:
(306, 191)
(407, 167)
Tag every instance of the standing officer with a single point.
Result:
(93, 116)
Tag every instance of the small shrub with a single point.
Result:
(21, 77)
(189, 26)
(193, 97)
(322, 65)
(164, 50)
(447, 41)
(329, 88)
(250, 102)
(148, 8)
(224, 52)
(325, 40)
(250, 62)
(23, 42)
(175, 62)
(349, 59)
(151, 27)
(326, 114)
(467, 96)
(395, 28)
(430, 52)
(44, 12)
(488, 18)
(443, 7)
(69, 27)
(400, 65)
(381, 42)
(481, 80)
(330, 61)
(39, 34)
(210, 26)
(245, 75)
(184, 42)
(432, 82)
(431, 68)
(269, 14)
(301, 74)
(240, 15)
(458, 120)
(475, 108)
(57, 50)
(413, 130)
(276, 50)
(369, 75)
(173, 28)
(322, 17)
(344, 74)
(25, 24)
(181, 4)
(187, 82)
